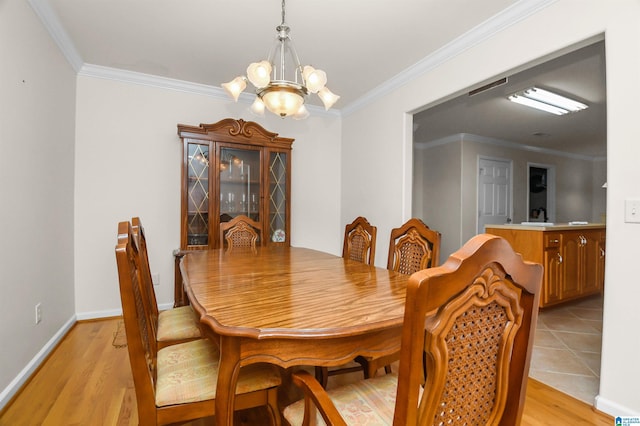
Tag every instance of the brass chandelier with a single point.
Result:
(281, 83)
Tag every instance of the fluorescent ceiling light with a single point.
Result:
(547, 101)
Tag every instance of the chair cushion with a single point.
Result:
(178, 324)
(366, 402)
(188, 372)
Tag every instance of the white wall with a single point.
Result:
(381, 127)
(599, 194)
(374, 171)
(449, 182)
(37, 102)
(441, 191)
(128, 158)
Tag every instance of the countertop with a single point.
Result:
(545, 226)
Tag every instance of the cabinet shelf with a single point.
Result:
(239, 182)
(238, 212)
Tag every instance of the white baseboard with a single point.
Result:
(32, 366)
(99, 314)
(613, 408)
(28, 370)
(165, 306)
(113, 312)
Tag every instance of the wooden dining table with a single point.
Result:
(291, 306)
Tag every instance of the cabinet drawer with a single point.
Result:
(551, 240)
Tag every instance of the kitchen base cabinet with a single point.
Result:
(572, 256)
(552, 261)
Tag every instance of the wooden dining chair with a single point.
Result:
(359, 241)
(241, 232)
(359, 244)
(412, 247)
(475, 318)
(177, 325)
(178, 383)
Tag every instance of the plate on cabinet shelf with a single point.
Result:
(278, 236)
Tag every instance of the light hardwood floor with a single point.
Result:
(87, 381)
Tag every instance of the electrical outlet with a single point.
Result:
(155, 278)
(38, 313)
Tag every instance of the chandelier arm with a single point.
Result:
(282, 61)
(297, 64)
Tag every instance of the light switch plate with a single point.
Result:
(632, 211)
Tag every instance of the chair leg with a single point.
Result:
(370, 371)
(322, 376)
(367, 368)
(387, 369)
(272, 405)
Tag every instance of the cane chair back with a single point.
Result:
(359, 242)
(474, 317)
(412, 247)
(160, 398)
(177, 325)
(241, 232)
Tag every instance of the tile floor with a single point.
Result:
(566, 352)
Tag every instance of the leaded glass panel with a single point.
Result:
(198, 194)
(277, 196)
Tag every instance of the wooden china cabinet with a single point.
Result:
(230, 168)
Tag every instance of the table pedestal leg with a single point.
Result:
(227, 380)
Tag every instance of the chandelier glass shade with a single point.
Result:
(280, 82)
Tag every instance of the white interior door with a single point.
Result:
(494, 192)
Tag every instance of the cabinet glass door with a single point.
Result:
(197, 194)
(240, 176)
(277, 221)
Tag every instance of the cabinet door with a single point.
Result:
(593, 262)
(278, 205)
(553, 269)
(572, 253)
(239, 177)
(602, 248)
(196, 190)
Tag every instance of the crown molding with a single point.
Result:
(509, 16)
(132, 77)
(141, 79)
(520, 10)
(60, 37)
(468, 137)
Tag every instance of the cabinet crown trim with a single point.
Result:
(234, 130)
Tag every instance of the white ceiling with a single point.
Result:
(211, 41)
(579, 74)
